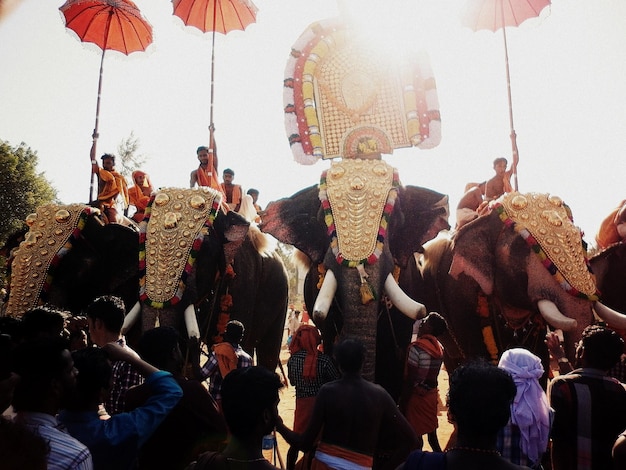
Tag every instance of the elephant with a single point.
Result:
(504, 278)
(337, 293)
(195, 260)
(69, 257)
(609, 267)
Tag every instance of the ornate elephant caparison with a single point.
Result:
(506, 275)
(69, 257)
(187, 244)
(333, 287)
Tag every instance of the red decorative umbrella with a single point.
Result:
(215, 16)
(498, 14)
(115, 25)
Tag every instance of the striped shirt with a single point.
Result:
(589, 414)
(422, 368)
(66, 453)
(124, 377)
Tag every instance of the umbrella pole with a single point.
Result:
(95, 134)
(211, 126)
(508, 89)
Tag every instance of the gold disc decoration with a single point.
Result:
(358, 192)
(177, 221)
(49, 238)
(544, 222)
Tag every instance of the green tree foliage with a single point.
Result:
(128, 159)
(22, 189)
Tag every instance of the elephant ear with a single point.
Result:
(419, 215)
(298, 220)
(474, 250)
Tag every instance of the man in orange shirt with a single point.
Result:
(139, 194)
(112, 189)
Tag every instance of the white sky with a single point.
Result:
(568, 80)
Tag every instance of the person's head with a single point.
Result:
(599, 347)
(47, 375)
(108, 161)
(234, 332)
(307, 337)
(44, 321)
(499, 165)
(249, 401)
(105, 316)
(254, 193)
(203, 155)
(228, 175)
(433, 324)
(160, 347)
(350, 354)
(141, 179)
(94, 379)
(480, 397)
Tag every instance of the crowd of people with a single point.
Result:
(96, 403)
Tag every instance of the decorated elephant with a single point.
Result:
(609, 267)
(69, 257)
(503, 278)
(199, 263)
(354, 228)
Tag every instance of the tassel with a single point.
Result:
(367, 291)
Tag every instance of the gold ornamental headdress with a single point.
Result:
(343, 100)
(544, 221)
(52, 233)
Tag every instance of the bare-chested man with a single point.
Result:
(353, 415)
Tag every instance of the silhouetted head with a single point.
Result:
(160, 347)
(234, 331)
(480, 398)
(600, 347)
(350, 354)
(249, 401)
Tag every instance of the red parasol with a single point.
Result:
(215, 16)
(498, 14)
(115, 25)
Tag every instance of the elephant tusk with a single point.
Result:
(612, 317)
(554, 317)
(191, 322)
(131, 317)
(325, 296)
(402, 301)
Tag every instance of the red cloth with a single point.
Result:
(429, 344)
(303, 413)
(226, 356)
(308, 338)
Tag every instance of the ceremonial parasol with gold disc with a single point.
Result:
(215, 16)
(115, 25)
(493, 15)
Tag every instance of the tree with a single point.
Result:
(22, 189)
(128, 158)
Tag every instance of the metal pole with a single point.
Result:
(95, 134)
(508, 89)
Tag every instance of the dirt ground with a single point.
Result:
(288, 399)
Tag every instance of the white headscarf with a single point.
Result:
(530, 410)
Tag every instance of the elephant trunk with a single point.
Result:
(325, 297)
(402, 301)
(612, 317)
(131, 317)
(554, 317)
